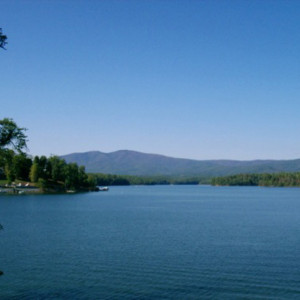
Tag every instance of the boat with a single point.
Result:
(103, 189)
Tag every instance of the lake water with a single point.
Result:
(157, 242)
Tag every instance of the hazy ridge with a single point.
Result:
(127, 162)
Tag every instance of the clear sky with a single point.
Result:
(194, 79)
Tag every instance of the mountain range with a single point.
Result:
(126, 162)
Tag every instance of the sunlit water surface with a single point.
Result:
(158, 242)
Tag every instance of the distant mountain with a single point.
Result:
(125, 162)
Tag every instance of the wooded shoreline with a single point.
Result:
(283, 179)
(99, 179)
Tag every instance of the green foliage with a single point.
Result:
(21, 166)
(266, 179)
(7, 159)
(10, 176)
(15, 165)
(108, 179)
(3, 39)
(71, 176)
(49, 173)
(34, 172)
(82, 176)
(12, 136)
(91, 180)
(2, 175)
(57, 168)
(42, 184)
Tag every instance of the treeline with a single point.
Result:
(51, 173)
(54, 173)
(110, 180)
(266, 179)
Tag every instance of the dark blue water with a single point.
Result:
(160, 242)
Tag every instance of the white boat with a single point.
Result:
(103, 189)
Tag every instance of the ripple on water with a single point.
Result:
(182, 243)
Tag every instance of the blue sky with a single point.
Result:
(193, 79)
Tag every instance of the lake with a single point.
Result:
(152, 242)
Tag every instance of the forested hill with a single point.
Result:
(127, 162)
(278, 179)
